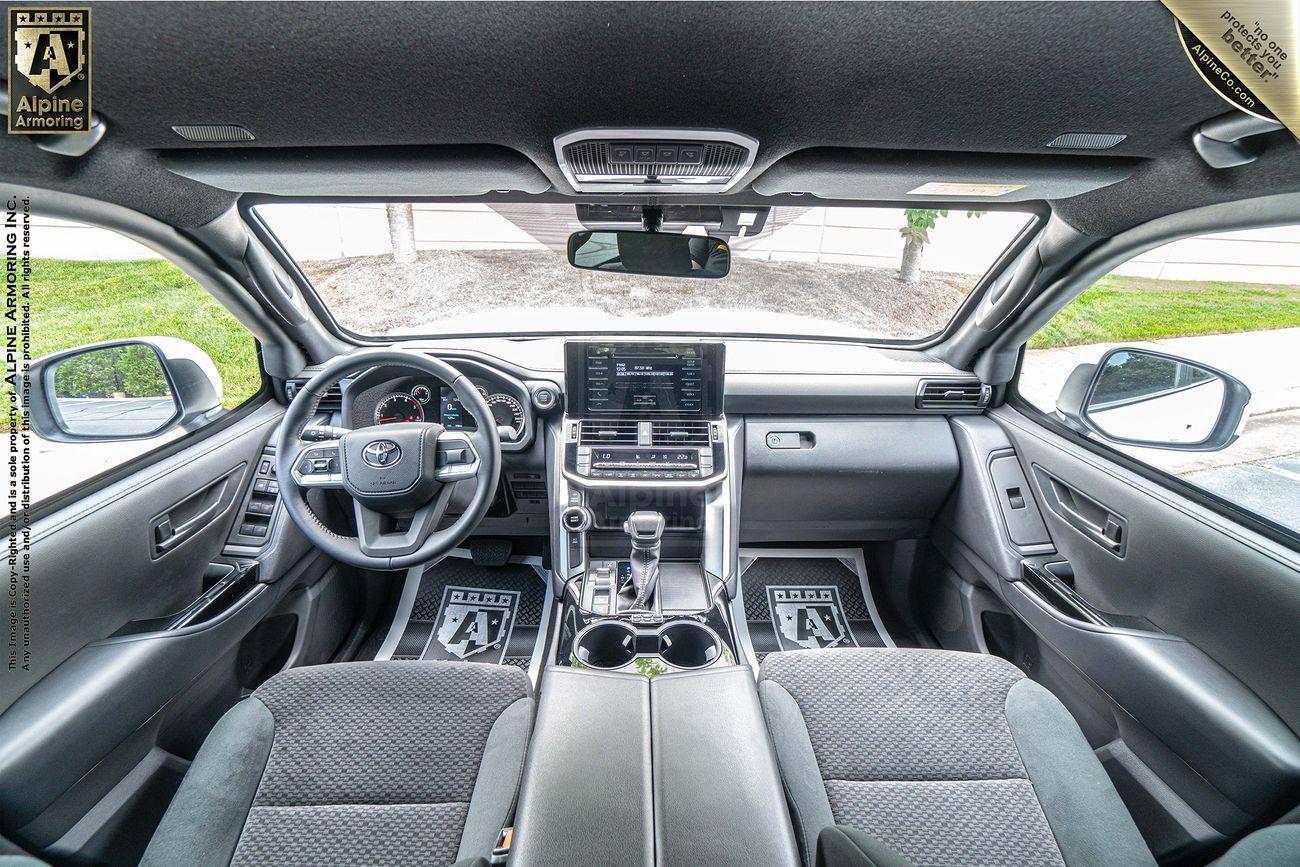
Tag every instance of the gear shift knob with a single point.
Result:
(645, 530)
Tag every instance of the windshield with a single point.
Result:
(432, 269)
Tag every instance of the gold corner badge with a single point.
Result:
(49, 70)
(1247, 52)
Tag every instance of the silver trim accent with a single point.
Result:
(703, 483)
(694, 184)
(457, 472)
(317, 480)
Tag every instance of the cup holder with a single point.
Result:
(606, 645)
(689, 645)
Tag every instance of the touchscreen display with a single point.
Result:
(644, 379)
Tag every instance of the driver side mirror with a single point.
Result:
(1141, 398)
(121, 390)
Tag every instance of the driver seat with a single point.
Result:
(355, 763)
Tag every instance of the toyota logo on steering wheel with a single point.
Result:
(381, 454)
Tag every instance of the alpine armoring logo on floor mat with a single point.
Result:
(809, 617)
(473, 622)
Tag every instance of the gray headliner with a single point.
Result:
(510, 77)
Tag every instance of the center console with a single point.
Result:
(643, 525)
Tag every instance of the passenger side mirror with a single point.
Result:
(661, 254)
(1141, 398)
(122, 390)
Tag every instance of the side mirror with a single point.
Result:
(121, 390)
(1141, 398)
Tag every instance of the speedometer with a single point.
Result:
(398, 407)
(507, 412)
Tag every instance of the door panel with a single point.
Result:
(104, 662)
(1168, 629)
(1189, 571)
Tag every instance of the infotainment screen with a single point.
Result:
(645, 379)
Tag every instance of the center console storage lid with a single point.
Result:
(675, 769)
(586, 791)
(718, 797)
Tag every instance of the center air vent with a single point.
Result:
(331, 401)
(628, 160)
(607, 433)
(679, 433)
(952, 394)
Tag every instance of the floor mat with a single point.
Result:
(472, 613)
(810, 600)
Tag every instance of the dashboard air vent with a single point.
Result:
(331, 402)
(607, 433)
(679, 433)
(952, 394)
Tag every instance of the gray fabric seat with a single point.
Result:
(357, 763)
(947, 758)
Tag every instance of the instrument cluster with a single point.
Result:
(424, 401)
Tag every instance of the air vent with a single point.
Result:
(213, 132)
(952, 394)
(607, 433)
(1087, 141)
(679, 433)
(529, 487)
(649, 161)
(332, 401)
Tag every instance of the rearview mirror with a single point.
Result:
(122, 390)
(1141, 398)
(656, 253)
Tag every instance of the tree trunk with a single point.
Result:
(401, 233)
(909, 271)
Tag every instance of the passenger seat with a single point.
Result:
(943, 757)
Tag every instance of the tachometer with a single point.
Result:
(507, 412)
(398, 407)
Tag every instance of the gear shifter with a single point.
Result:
(645, 530)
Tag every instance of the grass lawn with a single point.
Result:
(1117, 309)
(74, 303)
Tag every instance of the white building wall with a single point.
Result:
(857, 236)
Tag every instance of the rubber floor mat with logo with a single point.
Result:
(475, 614)
(806, 603)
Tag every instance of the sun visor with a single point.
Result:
(932, 176)
(396, 172)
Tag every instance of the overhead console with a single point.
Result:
(654, 160)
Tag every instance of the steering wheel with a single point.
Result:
(400, 476)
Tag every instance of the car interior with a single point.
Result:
(469, 578)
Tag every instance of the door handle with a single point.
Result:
(1096, 521)
(184, 519)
